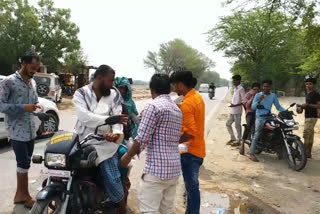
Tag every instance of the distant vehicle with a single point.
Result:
(204, 88)
(48, 86)
(211, 93)
(51, 125)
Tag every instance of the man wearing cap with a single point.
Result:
(311, 113)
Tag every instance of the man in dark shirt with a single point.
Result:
(311, 114)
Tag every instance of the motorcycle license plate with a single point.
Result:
(56, 173)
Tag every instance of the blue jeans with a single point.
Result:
(190, 169)
(260, 121)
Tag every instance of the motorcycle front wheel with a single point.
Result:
(298, 159)
(51, 205)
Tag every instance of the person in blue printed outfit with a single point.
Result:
(18, 101)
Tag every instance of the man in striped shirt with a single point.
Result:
(159, 134)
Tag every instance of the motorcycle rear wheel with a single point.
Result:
(50, 205)
(298, 159)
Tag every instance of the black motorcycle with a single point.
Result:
(277, 137)
(74, 184)
(211, 93)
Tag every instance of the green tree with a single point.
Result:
(176, 54)
(18, 29)
(46, 27)
(296, 9)
(261, 46)
(209, 77)
(57, 37)
(75, 62)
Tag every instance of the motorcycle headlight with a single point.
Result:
(55, 160)
(289, 122)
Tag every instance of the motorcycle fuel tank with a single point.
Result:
(62, 142)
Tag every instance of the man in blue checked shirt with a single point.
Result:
(262, 104)
(159, 135)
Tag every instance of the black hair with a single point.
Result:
(28, 57)
(310, 79)
(269, 82)
(160, 84)
(184, 77)
(255, 84)
(103, 70)
(236, 77)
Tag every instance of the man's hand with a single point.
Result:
(125, 160)
(31, 108)
(187, 143)
(111, 137)
(261, 98)
(233, 105)
(41, 108)
(185, 138)
(124, 119)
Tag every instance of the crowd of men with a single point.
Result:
(164, 126)
(257, 117)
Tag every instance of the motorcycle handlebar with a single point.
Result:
(90, 137)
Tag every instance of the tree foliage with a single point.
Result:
(75, 62)
(296, 9)
(46, 27)
(176, 54)
(262, 47)
(303, 17)
(212, 76)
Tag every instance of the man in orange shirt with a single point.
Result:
(193, 111)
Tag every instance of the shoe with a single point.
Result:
(253, 158)
(230, 142)
(235, 144)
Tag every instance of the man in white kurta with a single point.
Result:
(94, 103)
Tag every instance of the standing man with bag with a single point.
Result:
(18, 101)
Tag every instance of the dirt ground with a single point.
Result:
(269, 186)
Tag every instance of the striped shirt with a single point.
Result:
(159, 134)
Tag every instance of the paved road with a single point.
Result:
(68, 119)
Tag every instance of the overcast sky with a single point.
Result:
(120, 32)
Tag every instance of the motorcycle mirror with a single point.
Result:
(42, 116)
